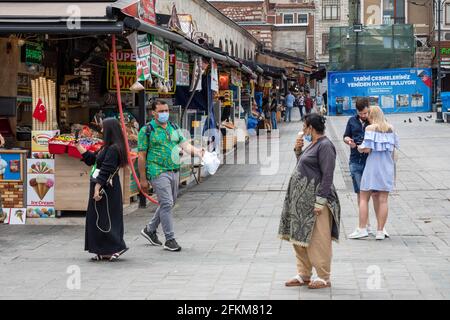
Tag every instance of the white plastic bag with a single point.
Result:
(211, 162)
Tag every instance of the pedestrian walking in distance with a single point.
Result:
(353, 137)
(273, 111)
(301, 105)
(104, 218)
(309, 103)
(289, 101)
(380, 142)
(159, 145)
(311, 213)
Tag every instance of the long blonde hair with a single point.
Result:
(377, 118)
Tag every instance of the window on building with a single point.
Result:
(331, 9)
(394, 12)
(302, 18)
(325, 41)
(288, 18)
(447, 13)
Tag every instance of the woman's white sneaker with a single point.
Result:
(380, 235)
(359, 234)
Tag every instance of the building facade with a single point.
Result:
(213, 25)
(377, 12)
(329, 13)
(285, 26)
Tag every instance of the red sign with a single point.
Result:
(143, 9)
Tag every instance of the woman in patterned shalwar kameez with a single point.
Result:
(311, 214)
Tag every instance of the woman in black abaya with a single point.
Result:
(104, 218)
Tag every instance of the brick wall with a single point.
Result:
(251, 11)
(12, 194)
(424, 57)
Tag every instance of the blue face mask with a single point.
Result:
(308, 138)
(163, 117)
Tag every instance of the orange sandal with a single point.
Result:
(297, 281)
(319, 283)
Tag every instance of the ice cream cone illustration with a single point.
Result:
(19, 215)
(41, 186)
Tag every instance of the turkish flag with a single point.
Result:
(40, 112)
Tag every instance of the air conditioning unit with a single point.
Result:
(447, 36)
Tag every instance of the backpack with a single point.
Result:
(149, 129)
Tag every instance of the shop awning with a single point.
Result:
(61, 28)
(275, 72)
(95, 17)
(319, 74)
(97, 10)
(179, 40)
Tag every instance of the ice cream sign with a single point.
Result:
(39, 140)
(41, 182)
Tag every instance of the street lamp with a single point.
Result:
(439, 118)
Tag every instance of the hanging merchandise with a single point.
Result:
(196, 83)
(214, 76)
(236, 78)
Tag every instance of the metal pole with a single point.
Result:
(439, 118)
(142, 119)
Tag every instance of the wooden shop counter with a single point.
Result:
(72, 184)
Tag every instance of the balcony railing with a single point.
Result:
(393, 20)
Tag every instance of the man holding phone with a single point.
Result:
(353, 137)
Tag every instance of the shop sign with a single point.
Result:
(182, 67)
(33, 53)
(143, 9)
(236, 79)
(214, 76)
(39, 143)
(127, 73)
(126, 63)
(171, 82)
(40, 183)
(143, 58)
(13, 216)
(159, 57)
(394, 90)
(444, 51)
(11, 167)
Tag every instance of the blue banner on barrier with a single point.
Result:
(394, 90)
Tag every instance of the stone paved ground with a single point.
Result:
(228, 229)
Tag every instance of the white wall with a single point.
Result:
(289, 39)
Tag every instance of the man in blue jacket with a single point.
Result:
(353, 137)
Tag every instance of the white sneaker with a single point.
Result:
(380, 235)
(359, 234)
(386, 233)
(370, 231)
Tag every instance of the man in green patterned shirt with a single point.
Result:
(159, 146)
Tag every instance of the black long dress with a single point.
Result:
(96, 241)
